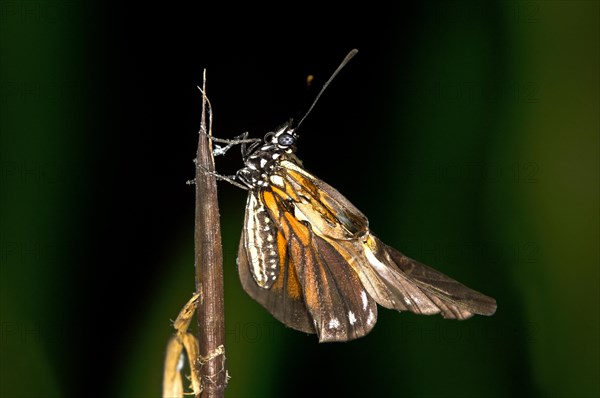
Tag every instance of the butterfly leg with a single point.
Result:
(241, 139)
(230, 179)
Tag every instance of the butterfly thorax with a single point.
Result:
(264, 162)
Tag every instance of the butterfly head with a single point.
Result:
(283, 139)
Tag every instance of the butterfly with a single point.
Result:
(308, 256)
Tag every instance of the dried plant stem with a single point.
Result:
(208, 257)
(182, 341)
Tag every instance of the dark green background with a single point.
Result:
(468, 132)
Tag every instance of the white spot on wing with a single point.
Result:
(370, 318)
(334, 323)
(365, 299)
(351, 318)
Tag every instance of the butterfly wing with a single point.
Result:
(281, 295)
(333, 294)
(391, 278)
(404, 284)
(308, 257)
(313, 288)
(328, 211)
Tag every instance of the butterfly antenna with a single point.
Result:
(339, 68)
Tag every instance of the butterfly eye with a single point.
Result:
(285, 139)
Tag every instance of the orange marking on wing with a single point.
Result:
(271, 203)
(293, 288)
(281, 247)
(299, 229)
(279, 192)
(304, 182)
(310, 288)
(293, 284)
(318, 200)
(312, 292)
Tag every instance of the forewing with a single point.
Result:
(282, 296)
(339, 219)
